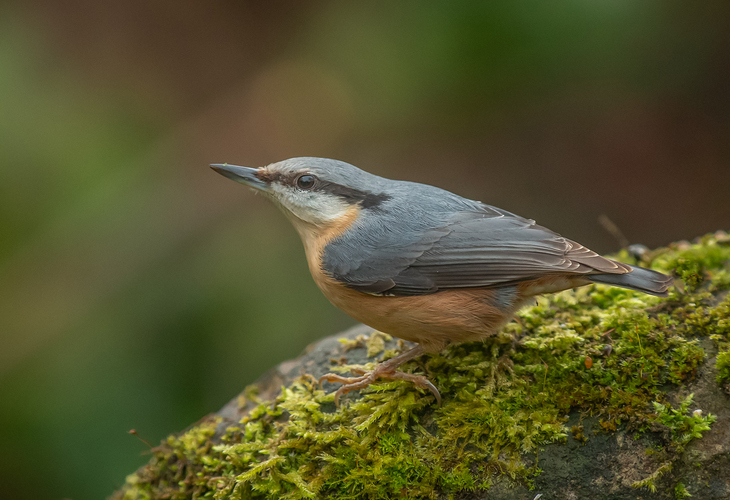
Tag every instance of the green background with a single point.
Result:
(138, 289)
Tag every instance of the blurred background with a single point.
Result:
(139, 289)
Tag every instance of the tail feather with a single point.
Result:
(639, 279)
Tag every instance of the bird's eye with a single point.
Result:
(305, 181)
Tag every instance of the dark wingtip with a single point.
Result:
(639, 279)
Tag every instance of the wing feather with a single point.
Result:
(469, 248)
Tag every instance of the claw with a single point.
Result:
(419, 381)
(434, 391)
(385, 370)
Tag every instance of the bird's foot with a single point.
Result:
(381, 371)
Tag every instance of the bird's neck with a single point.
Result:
(316, 237)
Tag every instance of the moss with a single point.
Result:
(684, 427)
(376, 343)
(723, 367)
(577, 431)
(501, 402)
(650, 482)
(680, 492)
(174, 469)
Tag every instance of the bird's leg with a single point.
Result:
(385, 370)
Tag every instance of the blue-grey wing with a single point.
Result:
(469, 248)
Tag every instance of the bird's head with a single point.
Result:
(316, 191)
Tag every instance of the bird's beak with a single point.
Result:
(244, 175)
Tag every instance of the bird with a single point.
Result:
(421, 263)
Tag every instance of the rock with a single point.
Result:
(607, 394)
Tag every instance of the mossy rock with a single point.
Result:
(598, 393)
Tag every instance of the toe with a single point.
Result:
(334, 378)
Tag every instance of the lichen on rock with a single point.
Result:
(586, 370)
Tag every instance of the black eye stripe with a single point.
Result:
(351, 195)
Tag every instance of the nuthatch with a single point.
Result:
(421, 263)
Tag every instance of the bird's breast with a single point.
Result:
(316, 239)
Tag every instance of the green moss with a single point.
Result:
(723, 366)
(680, 492)
(694, 264)
(602, 351)
(650, 482)
(684, 427)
